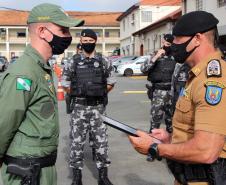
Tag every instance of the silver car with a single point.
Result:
(3, 64)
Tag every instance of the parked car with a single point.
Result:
(113, 58)
(123, 60)
(133, 67)
(3, 63)
(13, 60)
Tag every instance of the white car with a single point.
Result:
(132, 67)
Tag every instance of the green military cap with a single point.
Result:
(47, 12)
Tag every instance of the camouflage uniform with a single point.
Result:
(160, 105)
(160, 98)
(86, 119)
(179, 79)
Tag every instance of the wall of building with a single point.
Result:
(152, 40)
(11, 42)
(129, 25)
(212, 7)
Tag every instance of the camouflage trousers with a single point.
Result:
(160, 107)
(86, 119)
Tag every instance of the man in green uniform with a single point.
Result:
(29, 115)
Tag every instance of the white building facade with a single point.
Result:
(136, 18)
(216, 7)
(14, 35)
(149, 39)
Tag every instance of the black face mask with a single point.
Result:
(59, 44)
(179, 51)
(167, 50)
(88, 47)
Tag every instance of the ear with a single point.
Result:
(198, 39)
(41, 31)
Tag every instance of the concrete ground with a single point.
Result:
(127, 103)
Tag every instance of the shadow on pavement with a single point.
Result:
(134, 179)
(89, 163)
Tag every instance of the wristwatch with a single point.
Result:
(153, 151)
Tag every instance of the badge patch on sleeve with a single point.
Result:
(23, 84)
(213, 92)
(214, 68)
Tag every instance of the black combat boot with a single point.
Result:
(94, 153)
(77, 177)
(103, 177)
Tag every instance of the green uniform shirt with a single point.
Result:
(29, 121)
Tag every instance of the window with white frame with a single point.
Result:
(221, 3)
(133, 19)
(21, 34)
(199, 4)
(146, 16)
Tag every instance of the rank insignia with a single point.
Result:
(81, 63)
(213, 92)
(50, 83)
(214, 68)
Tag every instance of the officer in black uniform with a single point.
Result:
(87, 77)
(179, 79)
(160, 71)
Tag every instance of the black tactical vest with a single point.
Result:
(89, 78)
(180, 80)
(162, 71)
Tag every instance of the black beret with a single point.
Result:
(169, 38)
(195, 22)
(89, 33)
(79, 46)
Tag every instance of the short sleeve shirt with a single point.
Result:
(202, 104)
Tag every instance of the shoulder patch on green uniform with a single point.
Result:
(213, 92)
(23, 84)
(214, 68)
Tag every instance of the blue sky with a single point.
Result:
(76, 5)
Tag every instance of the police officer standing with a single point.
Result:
(197, 147)
(29, 115)
(179, 79)
(160, 71)
(88, 79)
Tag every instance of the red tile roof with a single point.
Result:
(19, 18)
(172, 17)
(149, 3)
(161, 2)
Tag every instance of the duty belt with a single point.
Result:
(28, 169)
(44, 162)
(185, 173)
(163, 87)
(94, 101)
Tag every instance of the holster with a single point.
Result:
(30, 174)
(68, 101)
(214, 174)
(150, 91)
(29, 168)
(217, 172)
